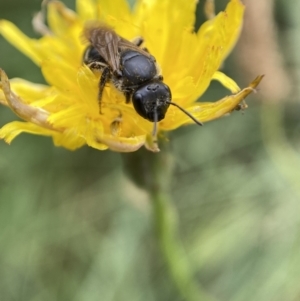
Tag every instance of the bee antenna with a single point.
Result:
(154, 132)
(185, 112)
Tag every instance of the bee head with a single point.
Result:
(151, 101)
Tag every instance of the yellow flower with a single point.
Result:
(68, 110)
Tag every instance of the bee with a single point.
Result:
(132, 70)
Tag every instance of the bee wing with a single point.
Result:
(109, 44)
(125, 45)
(106, 41)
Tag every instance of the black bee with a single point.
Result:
(131, 69)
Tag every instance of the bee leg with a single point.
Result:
(96, 66)
(138, 41)
(127, 96)
(105, 76)
(145, 49)
(159, 77)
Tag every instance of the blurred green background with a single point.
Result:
(73, 226)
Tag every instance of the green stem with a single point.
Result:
(157, 173)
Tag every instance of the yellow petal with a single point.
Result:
(227, 24)
(215, 39)
(26, 45)
(60, 18)
(226, 81)
(69, 139)
(235, 11)
(110, 10)
(86, 9)
(60, 74)
(162, 25)
(29, 91)
(70, 117)
(88, 84)
(121, 144)
(11, 130)
(116, 14)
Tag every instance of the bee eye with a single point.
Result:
(137, 98)
(138, 102)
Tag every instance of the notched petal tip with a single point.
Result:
(233, 102)
(256, 81)
(39, 24)
(246, 91)
(212, 110)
